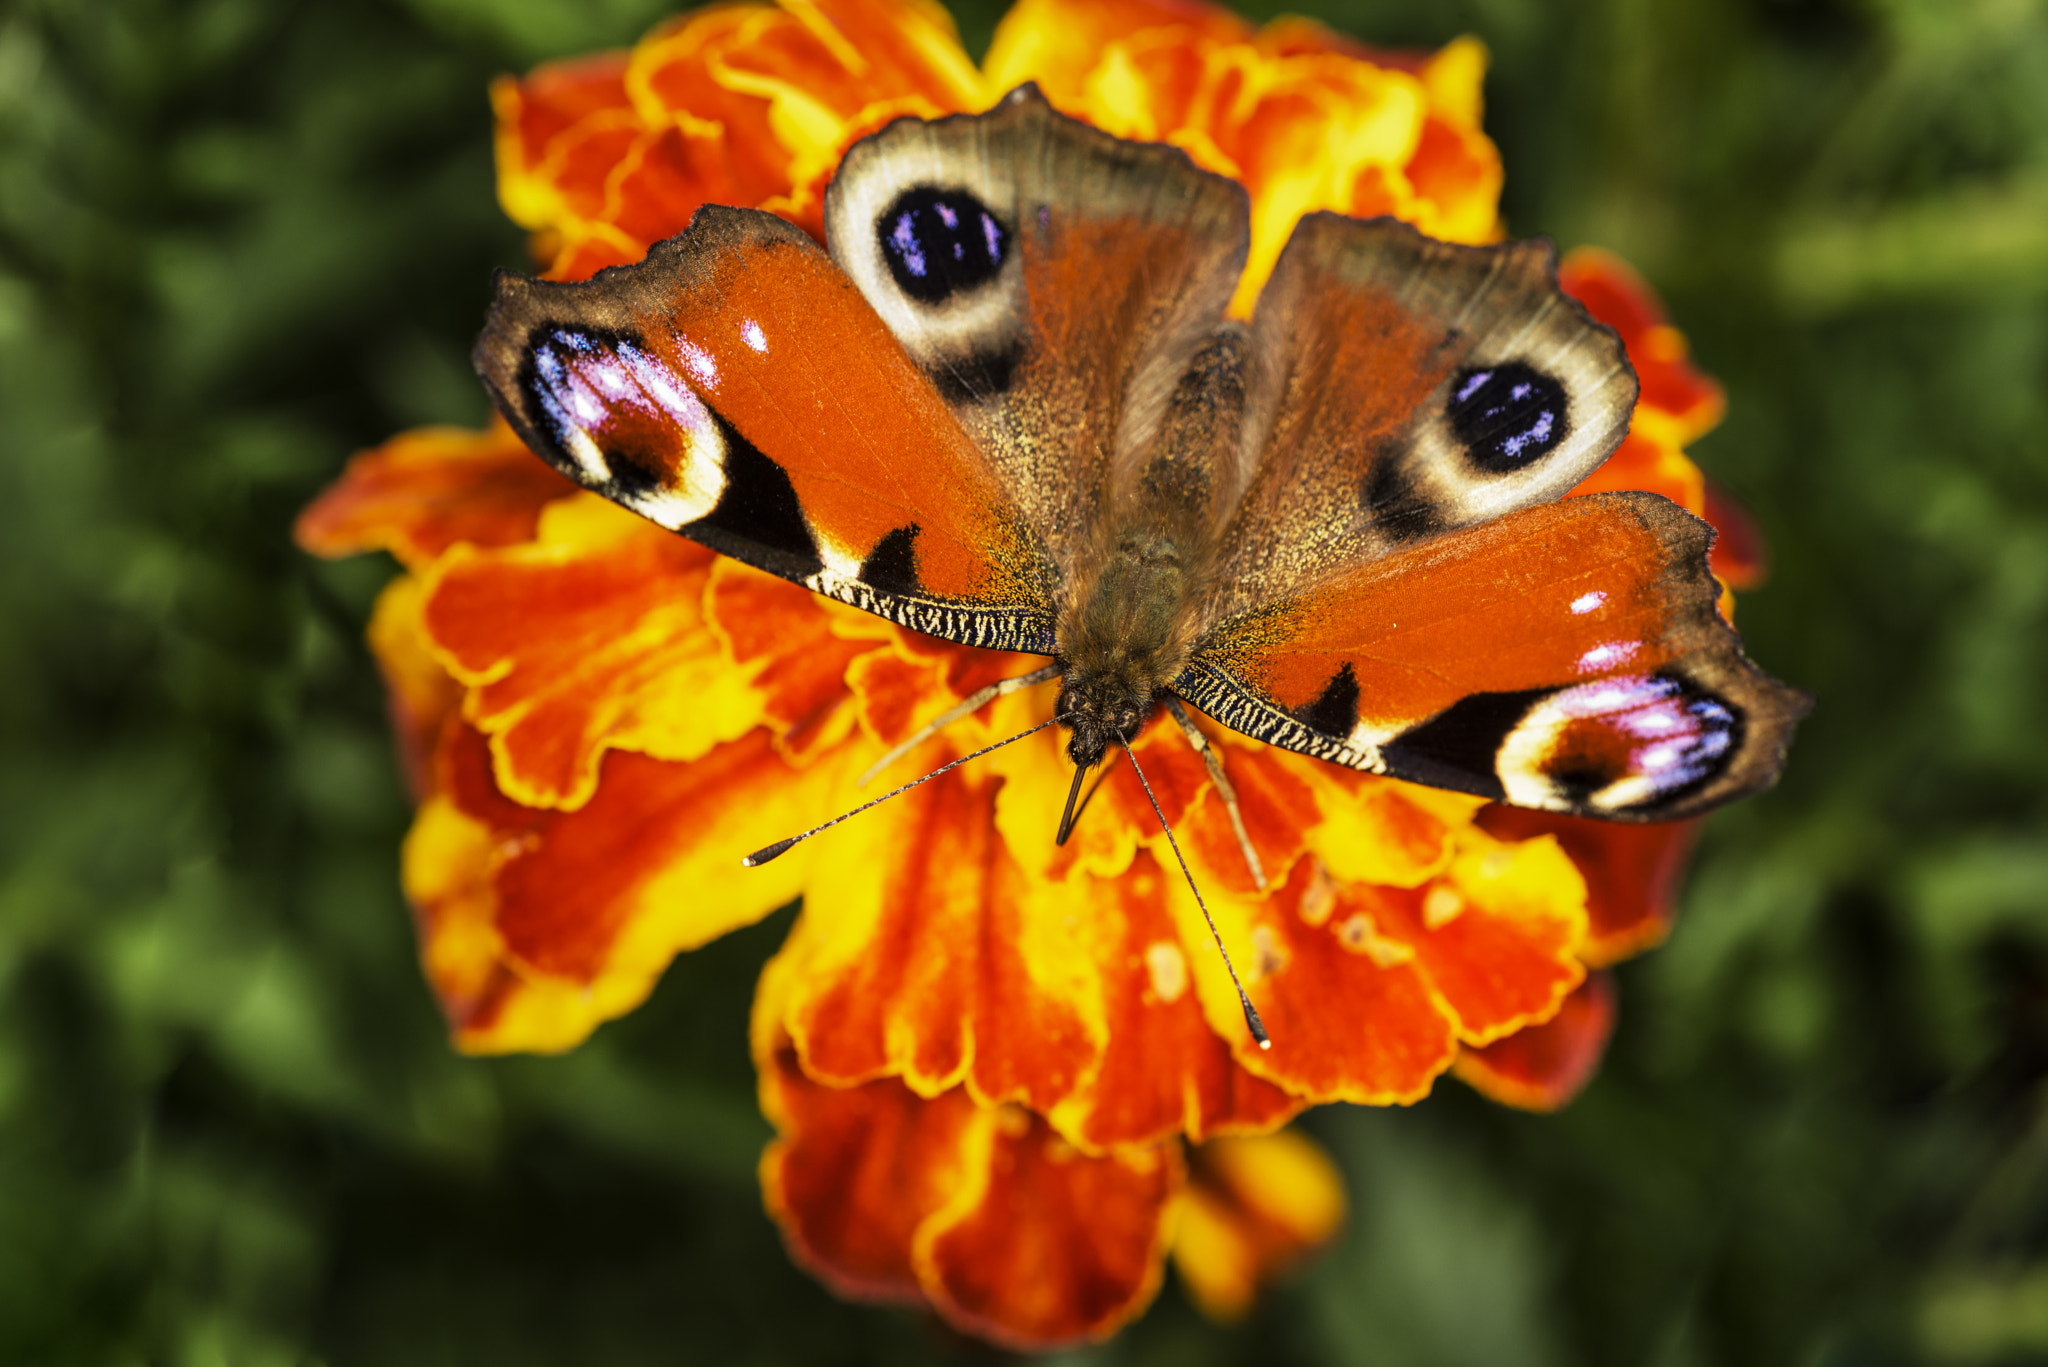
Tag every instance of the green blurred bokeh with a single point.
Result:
(239, 240)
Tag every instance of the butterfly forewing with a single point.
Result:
(734, 387)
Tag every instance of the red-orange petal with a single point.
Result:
(1351, 1014)
(419, 691)
(1678, 400)
(1254, 1206)
(1007, 1230)
(555, 921)
(1542, 1067)
(1655, 466)
(926, 951)
(1164, 1070)
(1055, 1247)
(429, 489)
(1738, 558)
(1496, 964)
(858, 1170)
(1631, 871)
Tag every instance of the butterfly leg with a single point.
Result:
(966, 706)
(1223, 788)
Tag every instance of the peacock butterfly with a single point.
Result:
(1007, 409)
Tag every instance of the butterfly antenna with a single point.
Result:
(782, 847)
(1251, 1013)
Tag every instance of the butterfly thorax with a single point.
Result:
(1124, 639)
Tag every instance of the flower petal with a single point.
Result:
(1498, 935)
(540, 924)
(420, 692)
(1058, 42)
(596, 637)
(1053, 1247)
(1642, 462)
(1253, 1206)
(926, 951)
(1737, 558)
(429, 489)
(535, 115)
(1543, 1067)
(1351, 1014)
(1679, 403)
(1163, 1069)
(1631, 873)
(858, 1170)
(1005, 1228)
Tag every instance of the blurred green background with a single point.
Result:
(239, 240)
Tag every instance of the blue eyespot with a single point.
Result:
(940, 242)
(1506, 415)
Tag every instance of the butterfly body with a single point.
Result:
(1008, 409)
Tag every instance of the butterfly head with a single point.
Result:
(1101, 710)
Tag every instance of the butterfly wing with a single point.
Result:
(736, 388)
(1408, 387)
(1567, 656)
(1055, 282)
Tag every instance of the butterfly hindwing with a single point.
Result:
(1567, 656)
(735, 388)
(1409, 387)
(1056, 282)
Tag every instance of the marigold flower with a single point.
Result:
(984, 1054)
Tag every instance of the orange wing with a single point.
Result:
(1567, 656)
(736, 388)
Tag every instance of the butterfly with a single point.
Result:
(1006, 407)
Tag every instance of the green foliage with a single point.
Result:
(239, 240)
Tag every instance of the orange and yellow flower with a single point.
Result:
(1008, 1078)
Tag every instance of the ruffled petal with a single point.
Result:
(1631, 873)
(1163, 1070)
(927, 951)
(1498, 935)
(734, 104)
(588, 638)
(429, 489)
(595, 636)
(859, 1169)
(1059, 42)
(1305, 119)
(538, 117)
(1007, 1230)
(1054, 1246)
(1679, 403)
(1351, 1013)
(540, 924)
(1254, 1206)
(419, 690)
(1544, 1066)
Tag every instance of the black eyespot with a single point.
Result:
(1507, 415)
(939, 242)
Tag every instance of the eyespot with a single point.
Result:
(1506, 415)
(939, 242)
(1625, 742)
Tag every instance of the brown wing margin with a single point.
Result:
(1567, 657)
(735, 387)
